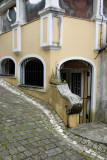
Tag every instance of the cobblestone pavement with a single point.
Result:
(31, 129)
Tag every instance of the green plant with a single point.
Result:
(54, 77)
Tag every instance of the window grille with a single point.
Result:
(8, 67)
(32, 72)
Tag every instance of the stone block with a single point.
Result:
(73, 120)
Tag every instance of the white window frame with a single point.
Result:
(44, 67)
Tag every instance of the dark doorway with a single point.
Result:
(78, 75)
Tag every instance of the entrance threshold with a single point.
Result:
(95, 131)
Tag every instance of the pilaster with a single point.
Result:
(51, 25)
(16, 32)
(52, 3)
(1, 24)
(20, 20)
(100, 25)
(97, 10)
(20, 13)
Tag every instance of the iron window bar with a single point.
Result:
(76, 69)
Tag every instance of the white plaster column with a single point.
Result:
(17, 10)
(97, 9)
(51, 12)
(100, 20)
(52, 3)
(1, 24)
(21, 14)
(20, 20)
(17, 40)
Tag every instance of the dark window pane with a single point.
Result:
(8, 67)
(76, 83)
(33, 8)
(105, 8)
(33, 72)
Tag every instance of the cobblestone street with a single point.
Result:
(30, 131)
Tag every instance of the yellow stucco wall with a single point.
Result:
(78, 40)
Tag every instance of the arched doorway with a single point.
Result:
(78, 75)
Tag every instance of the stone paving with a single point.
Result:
(31, 129)
(96, 131)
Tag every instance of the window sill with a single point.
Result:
(32, 88)
(7, 76)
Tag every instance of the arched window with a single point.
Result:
(8, 67)
(32, 72)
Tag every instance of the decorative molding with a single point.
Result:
(20, 13)
(74, 100)
(1, 26)
(97, 23)
(93, 79)
(51, 13)
(17, 50)
(97, 11)
(52, 3)
(45, 11)
(99, 19)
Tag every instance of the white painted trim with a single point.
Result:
(32, 56)
(104, 34)
(98, 7)
(60, 30)
(52, 3)
(17, 10)
(8, 16)
(97, 23)
(18, 49)
(97, 13)
(7, 57)
(50, 44)
(96, 35)
(41, 33)
(93, 79)
(1, 26)
(50, 30)
(22, 10)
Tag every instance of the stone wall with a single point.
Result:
(59, 103)
(101, 107)
(64, 101)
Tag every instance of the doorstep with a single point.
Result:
(95, 131)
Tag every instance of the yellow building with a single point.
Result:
(42, 38)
